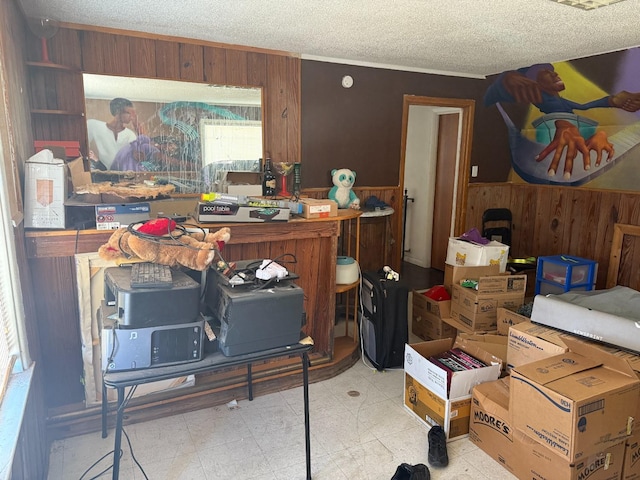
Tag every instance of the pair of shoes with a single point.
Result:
(412, 472)
(438, 456)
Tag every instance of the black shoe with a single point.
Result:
(438, 456)
(415, 472)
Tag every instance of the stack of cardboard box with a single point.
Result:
(565, 412)
(564, 408)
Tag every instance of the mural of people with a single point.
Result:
(107, 138)
(560, 133)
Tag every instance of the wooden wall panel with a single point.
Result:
(143, 57)
(191, 62)
(292, 113)
(550, 220)
(215, 62)
(257, 69)
(236, 62)
(65, 50)
(167, 59)
(92, 55)
(152, 57)
(276, 105)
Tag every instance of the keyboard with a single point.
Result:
(151, 275)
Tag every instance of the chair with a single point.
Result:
(496, 225)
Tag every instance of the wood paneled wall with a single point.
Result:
(551, 220)
(379, 236)
(127, 54)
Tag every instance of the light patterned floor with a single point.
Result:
(352, 437)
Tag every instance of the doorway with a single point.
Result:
(435, 159)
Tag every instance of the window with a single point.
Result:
(11, 309)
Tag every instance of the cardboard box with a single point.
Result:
(496, 345)
(45, 191)
(244, 183)
(440, 309)
(427, 317)
(507, 317)
(491, 429)
(434, 410)
(219, 213)
(573, 404)
(463, 253)
(530, 342)
(631, 467)
(112, 217)
(425, 392)
(431, 327)
(318, 208)
(472, 311)
(454, 274)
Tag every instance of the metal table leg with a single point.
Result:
(118, 435)
(307, 431)
(250, 381)
(104, 410)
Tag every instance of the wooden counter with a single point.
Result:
(313, 242)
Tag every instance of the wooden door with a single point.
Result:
(448, 125)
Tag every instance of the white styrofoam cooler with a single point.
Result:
(465, 253)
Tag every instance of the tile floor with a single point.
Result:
(364, 436)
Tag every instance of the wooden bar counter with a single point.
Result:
(51, 260)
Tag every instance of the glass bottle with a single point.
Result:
(268, 180)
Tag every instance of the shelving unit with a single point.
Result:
(562, 273)
(56, 114)
(350, 230)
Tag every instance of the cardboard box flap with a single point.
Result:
(472, 348)
(496, 345)
(79, 176)
(554, 368)
(433, 347)
(591, 383)
(496, 391)
(596, 352)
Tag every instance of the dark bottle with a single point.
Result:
(268, 180)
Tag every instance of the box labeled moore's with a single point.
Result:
(114, 216)
(491, 429)
(573, 404)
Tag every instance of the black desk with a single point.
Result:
(212, 362)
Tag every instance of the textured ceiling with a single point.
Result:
(456, 37)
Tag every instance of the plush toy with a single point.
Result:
(156, 242)
(343, 180)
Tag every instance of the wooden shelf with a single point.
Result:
(341, 288)
(55, 66)
(56, 112)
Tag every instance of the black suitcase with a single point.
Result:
(383, 323)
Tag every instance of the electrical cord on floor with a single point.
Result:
(132, 455)
(96, 463)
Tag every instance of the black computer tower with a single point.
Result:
(383, 321)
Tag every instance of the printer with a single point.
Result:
(147, 307)
(254, 316)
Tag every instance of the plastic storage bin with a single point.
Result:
(562, 273)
